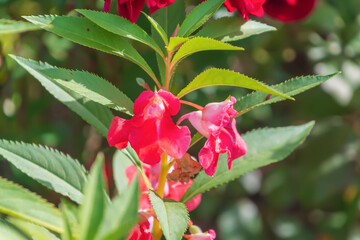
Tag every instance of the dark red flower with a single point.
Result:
(246, 7)
(131, 9)
(154, 5)
(151, 131)
(289, 10)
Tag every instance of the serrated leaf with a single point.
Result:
(120, 26)
(121, 215)
(223, 77)
(175, 42)
(92, 87)
(19, 202)
(10, 26)
(173, 216)
(121, 161)
(158, 28)
(198, 16)
(95, 114)
(228, 29)
(199, 44)
(9, 232)
(36, 232)
(91, 212)
(53, 169)
(291, 88)
(85, 32)
(265, 146)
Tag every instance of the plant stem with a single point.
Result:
(165, 167)
(192, 104)
(168, 70)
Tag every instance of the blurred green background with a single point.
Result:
(314, 194)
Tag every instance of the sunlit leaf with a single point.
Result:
(223, 77)
(121, 26)
(291, 88)
(265, 146)
(85, 32)
(199, 44)
(49, 167)
(95, 114)
(228, 29)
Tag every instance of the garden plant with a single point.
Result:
(158, 179)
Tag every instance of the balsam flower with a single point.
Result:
(216, 122)
(289, 10)
(131, 9)
(151, 131)
(209, 235)
(141, 230)
(246, 7)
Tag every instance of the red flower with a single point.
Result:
(178, 189)
(217, 124)
(246, 7)
(131, 9)
(142, 230)
(289, 10)
(154, 5)
(210, 235)
(151, 130)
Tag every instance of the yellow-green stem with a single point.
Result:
(168, 70)
(165, 167)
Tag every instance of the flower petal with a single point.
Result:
(174, 140)
(208, 158)
(118, 133)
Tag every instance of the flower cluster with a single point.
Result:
(282, 10)
(156, 138)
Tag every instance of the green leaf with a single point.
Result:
(93, 207)
(19, 202)
(95, 114)
(121, 161)
(10, 232)
(175, 42)
(121, 215)
(198, 16)
(265, 146)
(291, 88)
(120, 26)
(10, 26)
(85, 32)
(199, 44)
(228, 29)
(35, 231)
(92, 87)
(158, 28)
(53, 169)
(67, 233)
(170, 17)
(173, 216)
(223, 77)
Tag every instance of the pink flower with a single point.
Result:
(131, 9)
(178, 189)
(246, 7)
(216, 122)
(151, 130)
(210, 235)
(289, 10)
